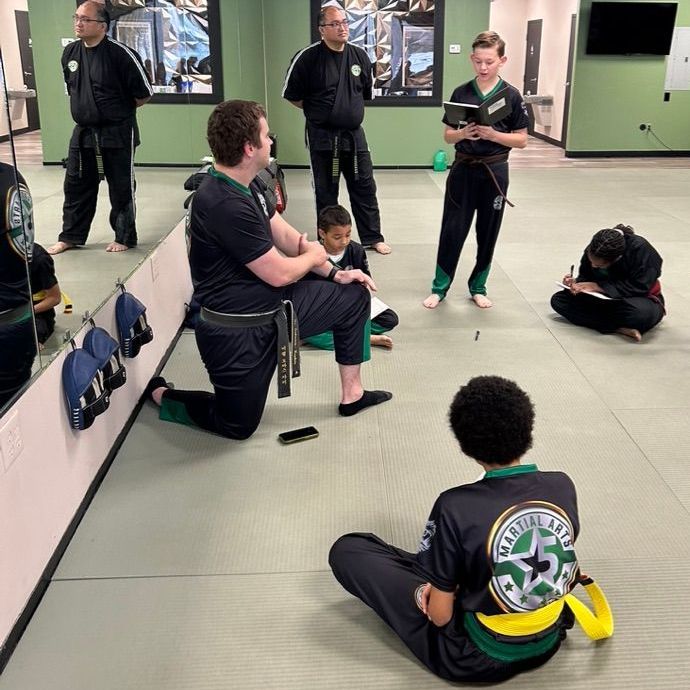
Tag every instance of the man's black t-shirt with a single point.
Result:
(116, 77)
(330, 103)
(505, 542)
(15, 246)
(228, 228)
(516, 119)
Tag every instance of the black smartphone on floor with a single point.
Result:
(298, 435)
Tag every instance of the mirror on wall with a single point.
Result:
(40, 128)
(18, 344)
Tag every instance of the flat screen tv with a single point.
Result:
(631, 28)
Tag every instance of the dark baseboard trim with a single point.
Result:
(41, 587)
(15, 132)
(627, 154)
(194, 166)
(547, 139)
(426, 166)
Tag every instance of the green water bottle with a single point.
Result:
(440, 160)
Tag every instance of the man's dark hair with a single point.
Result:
(608, 244)
(231, 125)
(329, 216)
(102, 15)
(324, 12)
(492, 418)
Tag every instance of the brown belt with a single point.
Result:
(486, 161)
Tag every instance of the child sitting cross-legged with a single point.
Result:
(335, 231)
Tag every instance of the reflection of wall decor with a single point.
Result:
(179, 44)
(404, 40)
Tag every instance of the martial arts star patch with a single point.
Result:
(72, 65)
(534, 562)
(19, 218)
(356, 70)
(498, 203)
(428, 535)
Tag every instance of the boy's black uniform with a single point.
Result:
(103, 83)
(355, 257)
(504, 544)
(633, 283)
(229, 228)
(42, 271)
(17, 342)
(333, 87)
(477, 182)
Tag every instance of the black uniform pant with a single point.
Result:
(607, 316)
(18, 348)
(241, 361)
(470, 189)
(362, 190)
(81, 194)
(383, 577)
(45, 325)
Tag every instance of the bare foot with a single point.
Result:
(60, 247)
(631, 333)
(116, 247)
(482, 301)
(381, 248)
(381, 341)
(432, 301)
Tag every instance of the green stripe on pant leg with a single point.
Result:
(441, 283)
(324, 341)
(478, 284)
(174, 411)
(378, 330)
(366, 345)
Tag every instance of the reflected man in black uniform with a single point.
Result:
(330, 81)
(106, 83)
(17, 339)
(246, 260)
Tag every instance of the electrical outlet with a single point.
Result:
(454, 48)
(11, 441)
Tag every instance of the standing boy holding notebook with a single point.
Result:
(478, 180)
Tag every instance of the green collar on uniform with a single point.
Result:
(510, 471)
(499, 85)
(233, 183)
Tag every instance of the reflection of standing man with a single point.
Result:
(106, 83)
(330, 81)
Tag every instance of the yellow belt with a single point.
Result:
(38, 296)
(597, 624)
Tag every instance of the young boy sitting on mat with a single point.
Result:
(335, 232)
(487, 595)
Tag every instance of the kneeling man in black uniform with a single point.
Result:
(245, 261)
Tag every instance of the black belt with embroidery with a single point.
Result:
(285, 319)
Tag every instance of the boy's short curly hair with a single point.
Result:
(331, 216)
(492, 419)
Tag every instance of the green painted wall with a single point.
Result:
(169, 133)
(397, 136)
(613, 95)
(610, 97)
